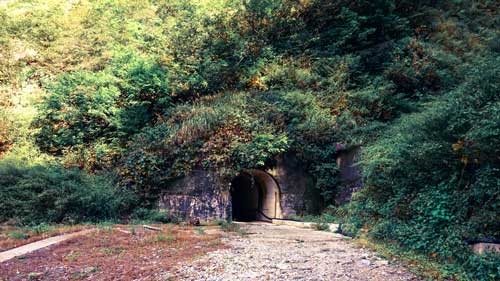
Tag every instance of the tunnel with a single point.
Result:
(255, 196)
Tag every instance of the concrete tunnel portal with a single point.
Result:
(255, 196)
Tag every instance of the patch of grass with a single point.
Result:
(73, 255)
(416, 263)
(217, 222)
(112, 250)
(133, 229)
(34, 275)
(19, 235)
(214, 243)
(84, 273)
(105, 226)
(164, 238)
(322, 226)
(200, 230)
(79, 275)
(232, 227)
(42, 228)
(324, 218)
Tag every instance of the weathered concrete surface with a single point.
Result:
(333, 227)
(293, 181)
(271, 252)
(350, 174)
(200, 195)
(271, 204)
(19, 251)
(482, 248)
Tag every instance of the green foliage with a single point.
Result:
(6, 132)
(200, 230)
(90, 114)
(433, 181)
(224, 135)
(262, 148)
(232, 227)
(36, 194)
(41, 228)
(150, 90)
(19, 235)
(80, 110)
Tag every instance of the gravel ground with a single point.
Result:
(271, 252)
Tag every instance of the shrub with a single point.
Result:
(41, 228)
(38, 194)
(432, 180)
(19, 235)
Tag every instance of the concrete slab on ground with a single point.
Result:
(19, 251)
(333, 227)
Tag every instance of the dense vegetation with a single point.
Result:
(101, 98)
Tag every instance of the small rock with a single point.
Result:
(382, 262)
(365, 262)
(90, 269)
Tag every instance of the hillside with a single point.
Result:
(104, 103)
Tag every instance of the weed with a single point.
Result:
(163, 238)
(415, 262)
(79, 275)
(219, 222)
(19, 235)
(33, 275)
(105, 226)
(214, 243)
(41, 228)
(200, 230)
(73, 255)
(322, 226)
(112, 251)
(232, 227)
(84, 273)
(132, 229)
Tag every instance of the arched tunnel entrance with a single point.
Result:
(255, 195)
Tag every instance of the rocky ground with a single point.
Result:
(271, 252)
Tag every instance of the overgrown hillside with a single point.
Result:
(121, 96)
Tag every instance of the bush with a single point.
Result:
(52, 194)
(94, 113)
(18, 235)
(433, 179)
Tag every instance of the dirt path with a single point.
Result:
(19, 251)
(271, 252)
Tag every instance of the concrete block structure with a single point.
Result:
(277, 193)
